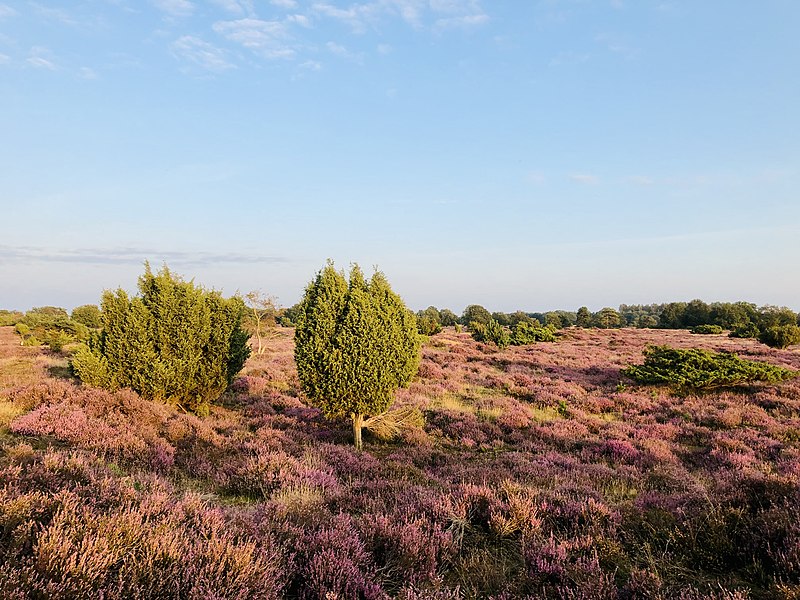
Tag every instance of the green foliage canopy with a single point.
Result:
(88, 315)
(428, 321)
(695, 369)
(175, 342)
(475, 313)
(491, 332)
(355, 344)
(525, 333)
(780, 336)
(707, 329)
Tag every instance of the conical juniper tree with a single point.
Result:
(175, 342)
(355, 344)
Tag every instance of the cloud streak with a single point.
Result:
(128, 256)
(175, 8)
(270, 39)
(201, 53)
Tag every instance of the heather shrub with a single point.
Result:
(780, 336)
(707, 329)
(175, 342)
(409, 549)
(333, 562)
(695, 369)
(101, 421)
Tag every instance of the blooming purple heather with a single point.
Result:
(541, 471)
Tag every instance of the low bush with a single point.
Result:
(695, 369)
(491, 332)
(745, 330)
(707, 329)
(780, 336)
(525, 333)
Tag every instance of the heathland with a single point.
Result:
(541, 470)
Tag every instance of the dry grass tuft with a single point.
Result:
(8, 412)
(389, 425)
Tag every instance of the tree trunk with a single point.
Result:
(358, 422)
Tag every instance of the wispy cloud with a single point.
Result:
(584, 178)
(5, 59)
(6, 11)
(535, 177)
(298, 19)
(640, 180)
(237, 7)
(41, 58)
(409, 10)
(268, 38)
(87, 73)
(285, 4)
(200, 53)
(462, 22)
(569, 58)
(357, 16)
(175, 8)
(342, 52)
(441, 14)
(54, 14)
(615, 45)
(118, 256)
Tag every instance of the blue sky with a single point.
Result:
(521, 155)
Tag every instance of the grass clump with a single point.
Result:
(695, 369)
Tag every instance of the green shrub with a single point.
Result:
(355, 344)
(88, 315)
(780, 336)
(175, 342)
(427, 326)
(694, 369)
(9, 317)
(525, 333)
(707, 329)
(23, 331)
(745, 330)
(91, 367)
(56, 340)
(491, 332)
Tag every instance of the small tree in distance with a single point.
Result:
(261, 312)
(583, 317)
(475, 313)
(355, 344)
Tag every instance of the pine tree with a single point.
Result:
(355, 344)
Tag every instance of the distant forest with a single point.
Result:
(777, 326)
